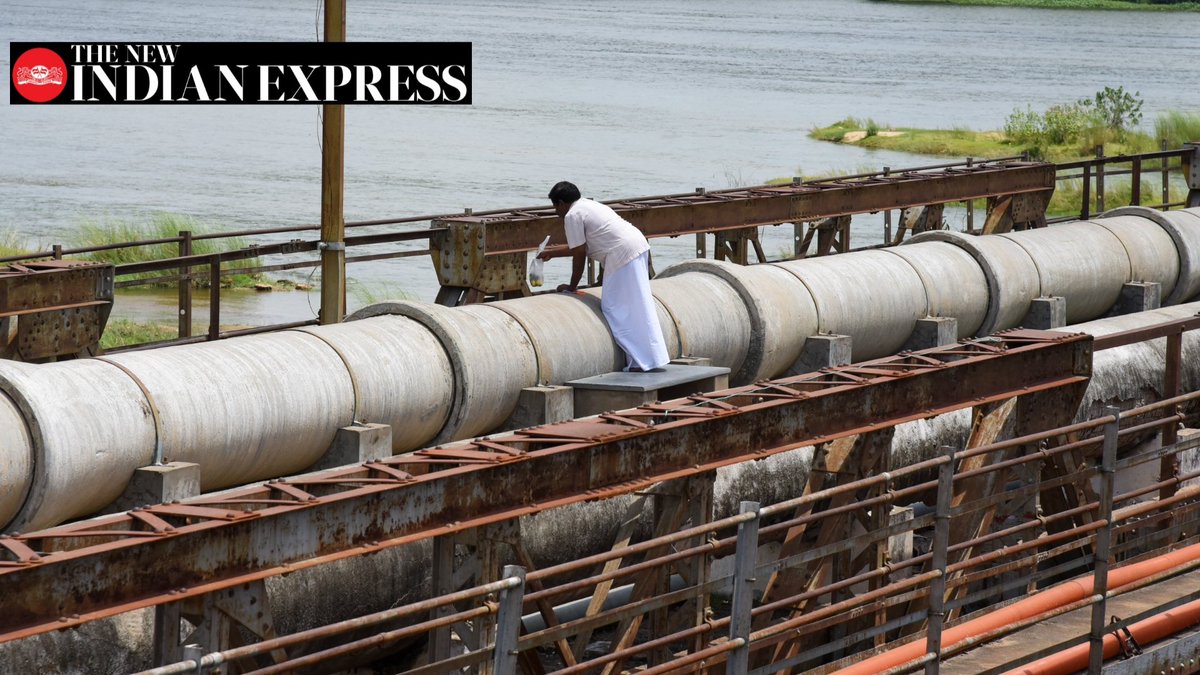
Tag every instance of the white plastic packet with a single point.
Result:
(535, 268)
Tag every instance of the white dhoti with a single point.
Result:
(629, 309)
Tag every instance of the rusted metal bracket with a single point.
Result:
(53, 309)
(358, 510)
(467, 273)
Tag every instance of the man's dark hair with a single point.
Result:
(564, 192)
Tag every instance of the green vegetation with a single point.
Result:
(375, 293)
(1105, 119)
(10, 244)
(1176, 127)
(1135, 5)
(122, 332)
(160, 226)
(1061, 133)
(1068, 195)
(957, 142)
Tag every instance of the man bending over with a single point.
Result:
(595, 230)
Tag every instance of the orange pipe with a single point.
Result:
(1062, 594)
(1145, 632)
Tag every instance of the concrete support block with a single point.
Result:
(542, 405)
(822, 351)
(1138, 296)
(356, 444)
(619, 390)
(933, 331)
(1046, 313)
(900, 546)
(1189, 460)
(159, 484)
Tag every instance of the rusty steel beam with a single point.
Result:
(522, 230)
(60, 308)
(75, 573)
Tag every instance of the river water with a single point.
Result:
(623, 97)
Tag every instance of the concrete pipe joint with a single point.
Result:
(491, 357)
(781, 311)
(1151, 251)
(955, 286)
(709, 315)
(83, 427)
(400, 374)
(570, 337)
(1183, 227)
(1010, 274)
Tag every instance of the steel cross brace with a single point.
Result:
(112, 564)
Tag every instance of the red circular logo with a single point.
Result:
(39, 75)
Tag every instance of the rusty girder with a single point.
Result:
(690, 213)
(74, 573)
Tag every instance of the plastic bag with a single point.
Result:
(536, 277)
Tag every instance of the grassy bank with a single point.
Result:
(1119, 5)
(122, 332)
(990, 144)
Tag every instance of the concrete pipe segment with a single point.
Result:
(89, 427)
(491, 355)
(1089, 276)
(782, 313)
(1184, 229)
(1011, 275)
(261, 406)
(1151, 252)
(955, 286)
(875, 297)
(709, 315)
(400, 373)
(569, 335)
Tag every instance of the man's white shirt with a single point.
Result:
(611, 240)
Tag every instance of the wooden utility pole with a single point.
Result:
(333, 161)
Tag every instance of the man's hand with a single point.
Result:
(544, 255)
(567, 288)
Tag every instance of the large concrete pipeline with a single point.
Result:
(258, 407)
(316, 596)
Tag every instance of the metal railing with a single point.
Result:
(1094, 175)
(843, 610)
(188, 268)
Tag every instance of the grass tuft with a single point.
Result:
(160, 226)
(1177, 127)
(123, 332)
(375, 293)
(11, 244)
